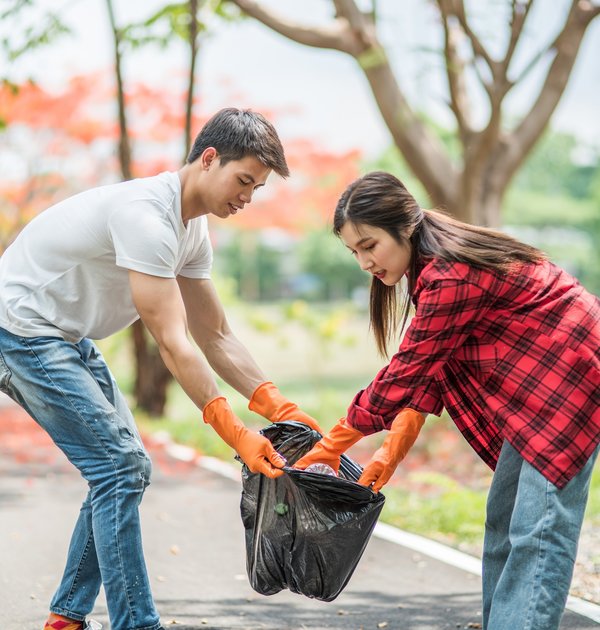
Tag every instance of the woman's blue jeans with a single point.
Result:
(68, 389)
(531, 534)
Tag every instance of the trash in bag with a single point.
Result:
(305, 531)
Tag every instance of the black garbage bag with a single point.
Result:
(305, 531)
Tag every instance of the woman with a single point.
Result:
(508, 344)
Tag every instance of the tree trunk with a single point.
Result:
(152, 378)
(151, 375)
(482, 203)
(189, 106)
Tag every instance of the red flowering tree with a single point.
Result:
(57, 143)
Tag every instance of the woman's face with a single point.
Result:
(377, 252)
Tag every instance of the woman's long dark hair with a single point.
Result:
(379, 199)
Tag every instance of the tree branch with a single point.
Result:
(335, 36)
(565, 47)
(354, 33)
(532, 64)
(455, 71)
(124, 143)
(519, 16)
(349, 10)
(458, 9)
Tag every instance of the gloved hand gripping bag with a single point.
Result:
(305, 531)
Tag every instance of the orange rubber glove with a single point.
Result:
(254, 449)
(403, 432)
(329, 449)
(270, 403)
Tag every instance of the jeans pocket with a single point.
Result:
(5, 374)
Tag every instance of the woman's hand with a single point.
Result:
(329, 449)
(404, 430)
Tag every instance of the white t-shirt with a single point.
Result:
(66, 274)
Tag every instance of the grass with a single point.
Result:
(447, 511)
(593, 507)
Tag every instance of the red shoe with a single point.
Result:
(72, 624)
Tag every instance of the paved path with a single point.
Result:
(195, 553)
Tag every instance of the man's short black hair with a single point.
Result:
(238, 133)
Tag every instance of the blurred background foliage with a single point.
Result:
(554, 203)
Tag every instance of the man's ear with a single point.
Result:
(209, 155)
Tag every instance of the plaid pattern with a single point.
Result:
(510, 356)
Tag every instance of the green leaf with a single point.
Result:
(40, 34)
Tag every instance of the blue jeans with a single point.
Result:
(531, 534)
(68, 389)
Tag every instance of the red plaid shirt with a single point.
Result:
(510, 356)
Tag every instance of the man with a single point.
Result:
(90, 266)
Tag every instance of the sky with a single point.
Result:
(323, 94)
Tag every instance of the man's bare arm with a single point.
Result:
(208, 325)
(160, 305)
(161, 308)
(230, 358)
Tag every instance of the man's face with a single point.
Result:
(230, 187)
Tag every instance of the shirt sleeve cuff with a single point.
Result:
(425, 401)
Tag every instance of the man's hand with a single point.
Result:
(254, 449)
(329, 449)
(403, 432)
(269, 402)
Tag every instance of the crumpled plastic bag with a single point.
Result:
(305, 531)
